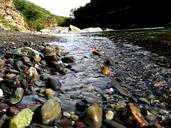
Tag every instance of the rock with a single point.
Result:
(50, 53)
(2, 63)
(98, 52)
(60, 68)
(113, 124)
(9, 76)
(22, 119)
(17, 96)
(74, 117)
(67, 114)
(54, 83)
(105, 70)
(27, 51)
(1, 92)
(49, 92)
(68, 59)
(80, 124)
(65, 123)
(93, 116)
(118, 105)
(32, 72)
(108, 62)
(13, 110)
(137, 116)
(109, 115)
(118, 84)
(73, 28)
(50, 110)
(92, 29)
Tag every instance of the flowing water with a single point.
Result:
(139, 71)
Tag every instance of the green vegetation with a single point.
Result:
(8, 24)
(36, 17)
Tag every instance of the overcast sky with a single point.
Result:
(60, 7)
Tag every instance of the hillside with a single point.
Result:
(10, 18)
(36, 17)
(23, 15)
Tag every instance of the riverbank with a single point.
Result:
(81, 81)
(155, 40)
(18, 39)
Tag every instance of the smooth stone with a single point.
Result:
(74, 117)
(2, 63)
(27, 51)
(50, 53)
(54, 83)
(105, 70)
(67, 114)
(50, 110)
(137, 116)
(49, 92)
(1, 92)
(17, 96)
(65, 123)
(68, 59)
(109, 115)
(93, 116)
(22, 119)
(108, 62)
(32, 72)
(113, 124)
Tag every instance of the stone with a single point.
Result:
(68, 59)
(32, 72)
(27, 51)
(113, 124)
(17, 96)
(105, 70)
(109, 115)
(50, 110)
(74, 117)
(49, 92)
(50, 53)
(2, 63)
(137, 116)
(1, 92)
(93, 116)
(54, 83)
(22, 119)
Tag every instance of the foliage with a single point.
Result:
(7, 24)
(123, 13)
(36, 17)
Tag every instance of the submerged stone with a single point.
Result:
(22, 119)
(50, 110)
(93, 116)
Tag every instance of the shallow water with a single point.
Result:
(133, 65)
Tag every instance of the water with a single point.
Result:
(133, 65)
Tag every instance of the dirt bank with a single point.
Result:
(16, 39)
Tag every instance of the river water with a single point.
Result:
(137, 71)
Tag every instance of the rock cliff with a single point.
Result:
(10, 17)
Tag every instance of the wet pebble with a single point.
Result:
(93, 116)
(50, 110)
(54, 83)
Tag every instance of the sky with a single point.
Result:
(60, 7)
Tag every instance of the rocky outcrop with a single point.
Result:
(9, 13)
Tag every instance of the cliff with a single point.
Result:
(10, 17)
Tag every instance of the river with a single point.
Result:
(137, 71)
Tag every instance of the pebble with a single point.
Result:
(1, 93)
(109, 115)
(51, 110)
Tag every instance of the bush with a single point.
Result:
(36, 17)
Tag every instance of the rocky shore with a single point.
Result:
(81, 82)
